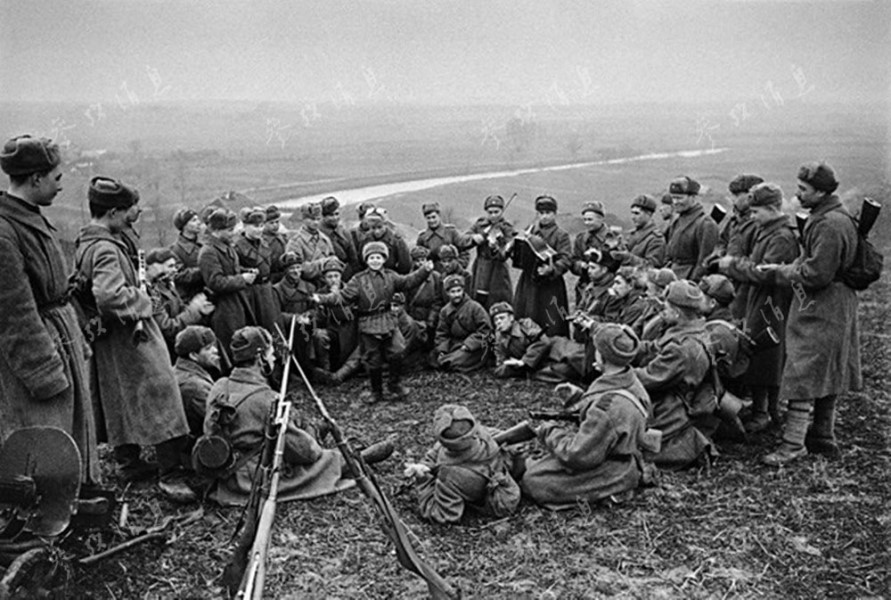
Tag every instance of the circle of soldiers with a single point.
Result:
(673, 327)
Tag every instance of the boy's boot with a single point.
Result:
(376, 377)
(399, 391)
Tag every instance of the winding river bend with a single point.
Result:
(377, 192)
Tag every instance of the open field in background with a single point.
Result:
(188, 155)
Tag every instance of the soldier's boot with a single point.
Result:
(172, 480)
(347, 369)
(759, 419)
(376, 394)
(773, 405)
(394, 385)
(379, 451)
(820, 437)
(792, 448)
(131, 466)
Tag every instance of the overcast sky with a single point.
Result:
(438, 51)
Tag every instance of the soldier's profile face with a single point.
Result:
(639, 217)
(665, 211)
(762, 214)
(808, 195)
(194, 226)
(48, 186)
(434, 219)
(332, 278)
(209, 356)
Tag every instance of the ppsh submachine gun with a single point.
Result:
(44, 509)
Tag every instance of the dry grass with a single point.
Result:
(813, 530)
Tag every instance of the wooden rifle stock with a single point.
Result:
(521, 432)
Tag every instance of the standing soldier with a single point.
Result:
(309, 242)
(254, 253)
(491, 235)
(275, 240)
(133, 380)
(736, 232)
(222, 274)
(439, 234)
(766, 305)
(666, 213)
(823, 344)
(541, 291)
(43, 374)
(344, 249)
(186, 247)
(692, 235)
(646, 244)
(593, 237)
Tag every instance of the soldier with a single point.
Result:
(645, 244)
(170, 312)
(602, 457)
(340, 238)
(718, 296)
(464, 469)
(822, 340)
(450, 264)
(43, 372)
(766, 304)
(133, 379)
(379, 336)
(426, 300)
(309, 242)
(186, 247)
(439, 234)
(413, 332)
(254, 253)
(735, 234)
(491, 235)
(691, 237)
(520, 346)
(197, 359)
(293, 295)
(275, 241)
(224, 278)
(462, 336)
(595, 236)
(541, 291)
(338, 320)
(380, 230)
(673, 368)
(245, 401)
(666, 213)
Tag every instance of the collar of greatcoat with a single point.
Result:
(16, 209)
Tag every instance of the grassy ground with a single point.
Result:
(817, 529)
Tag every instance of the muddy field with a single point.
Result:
(817, 529)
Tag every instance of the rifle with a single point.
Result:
(139, 333)
(390, 522)
(555, 415)
(245, 574)
(523, 431)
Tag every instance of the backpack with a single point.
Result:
(867, 265)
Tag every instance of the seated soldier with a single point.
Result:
(414, 333)
(336, 324)
(464, 469)
(462, 336)
(520, 345)
(674, 367)
(426, 300)
(196, 357)
(239, 408)
(601, 271)
(719, 295)
(650, 325)
(449, 263)
(601, 457)
(168, 309)
(293, 295)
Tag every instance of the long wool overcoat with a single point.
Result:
(692, 237)
(133, 383)
(221, 271)
(43, 371)
(822, 341)
(491, 276)
(543, 298)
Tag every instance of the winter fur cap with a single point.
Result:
(661, 278)
(24, 155)
(718, 287)
(183, 216)
(247, 342)
(311, 211)
(329, 206)
(645, 202)
(398, 298)
(743, 183)
(618, 344)
(819, 175)
(106, 192)
(332, 263)
(447, 252)
(499, 308)
(255, 215)
(192, 339)
(429, 208)
(766, 194)
(453, 281)
(158, 255)
(593, 206)
(685, 294)
(220, 219)
(273, 213)
(545, 203)
(419, 252)
(684, 186)
(375, 248)
(493, 201)
(289, 259)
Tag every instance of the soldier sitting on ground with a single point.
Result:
(197, 358)
(719, 295)
(462, 336)
(464, 469)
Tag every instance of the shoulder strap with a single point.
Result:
(634, 400)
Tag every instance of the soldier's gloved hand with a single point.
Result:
(249, 277)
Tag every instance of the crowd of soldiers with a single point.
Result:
(160, 347)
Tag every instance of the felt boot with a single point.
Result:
(376, 394)
(794, 432)
(821, 436)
